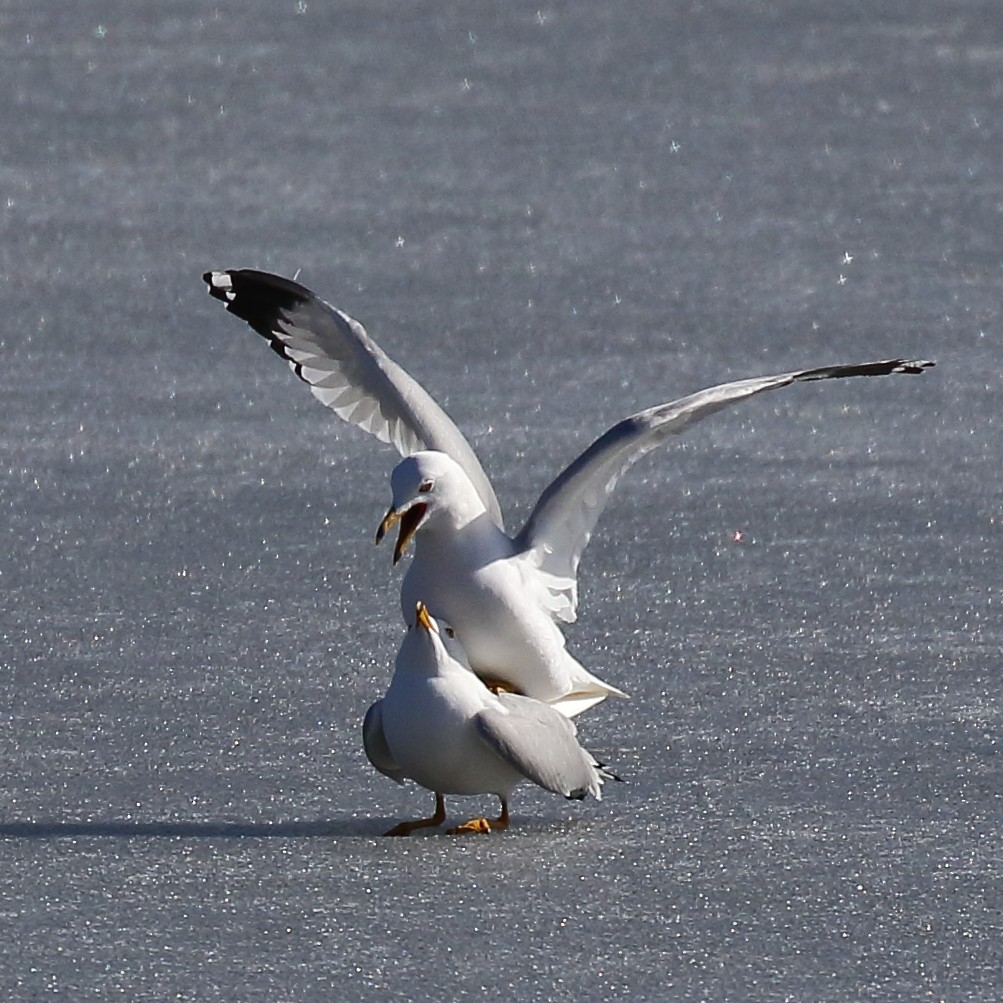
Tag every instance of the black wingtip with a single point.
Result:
(259, 298)
(609, 775)
(220, 284)
(886, 367)
(914, 366)
(250, 284)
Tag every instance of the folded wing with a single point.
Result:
(540, 743)
(375, 743)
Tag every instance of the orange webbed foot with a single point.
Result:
(475, 825)
(483, 825)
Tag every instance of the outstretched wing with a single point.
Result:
(345, 369)
(540, 743)
(565, 515)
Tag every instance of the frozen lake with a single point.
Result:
(552, 217)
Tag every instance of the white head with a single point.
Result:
(427, 487)
(431, 642)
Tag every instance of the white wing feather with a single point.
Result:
(563, 519)
(346, 370)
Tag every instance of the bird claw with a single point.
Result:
(475, 825)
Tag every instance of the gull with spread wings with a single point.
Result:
(505, 596)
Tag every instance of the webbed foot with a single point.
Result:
(483, 825)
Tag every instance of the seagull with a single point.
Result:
(505, 596)
(440, 726)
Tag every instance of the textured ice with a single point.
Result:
(552, 218)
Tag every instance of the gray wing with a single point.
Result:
(345, 369)
(375, 744)
(562, 522)
(540, 743)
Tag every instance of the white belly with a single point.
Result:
(506, 634)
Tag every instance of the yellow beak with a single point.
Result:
(423, 617)
(409, 523)
(389, 520)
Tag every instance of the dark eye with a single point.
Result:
(425, 487)
(450, 632)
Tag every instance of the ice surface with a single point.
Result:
(552, 217)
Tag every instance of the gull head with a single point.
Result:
(428, 487)
(437, 636)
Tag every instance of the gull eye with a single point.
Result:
(425, 487)
(450, 632)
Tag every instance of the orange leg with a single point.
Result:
(483, 824)
(406, 828)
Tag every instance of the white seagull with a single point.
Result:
(440, 726)
(504, 595)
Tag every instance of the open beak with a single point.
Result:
(423, 617)
(409, 521)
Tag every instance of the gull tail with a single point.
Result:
(587, 693)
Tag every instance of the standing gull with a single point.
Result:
(440, 726)
(504, 595)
